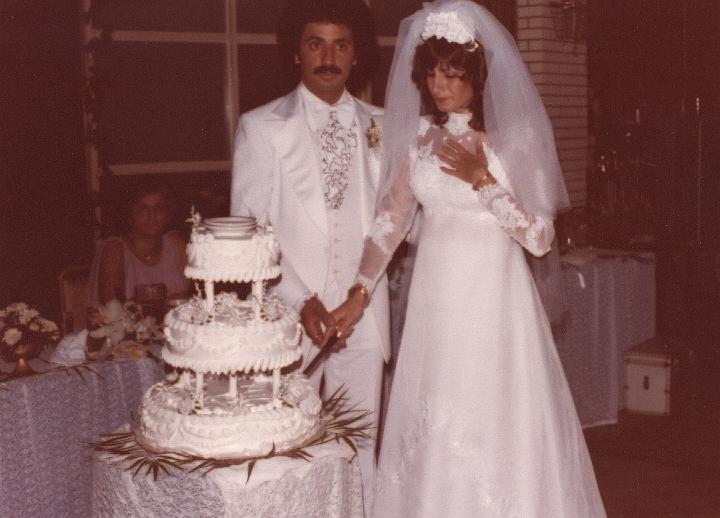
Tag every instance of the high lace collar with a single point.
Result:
(458, 123)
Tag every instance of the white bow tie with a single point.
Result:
(344, 109)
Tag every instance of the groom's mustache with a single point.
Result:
(322, 69)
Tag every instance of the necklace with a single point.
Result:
(149, 256)
(146, 256)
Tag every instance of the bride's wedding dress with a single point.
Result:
(481, 422)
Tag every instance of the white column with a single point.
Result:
(210, 297)
(232, 386)
(185, 379)
(258, 293)
(199, 382)
(276, 383)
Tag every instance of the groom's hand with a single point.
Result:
(318, 323)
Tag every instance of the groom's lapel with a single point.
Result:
(298, 157)
(371, 158)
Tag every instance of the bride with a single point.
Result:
(481, 422)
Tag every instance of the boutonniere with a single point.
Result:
(373, 134)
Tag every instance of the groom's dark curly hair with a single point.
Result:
(354, 14)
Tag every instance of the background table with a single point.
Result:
(611, 307)
(329, 486)
(45, 470)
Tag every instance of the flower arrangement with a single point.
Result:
(373, 134)
(20, 325)
(124, 328)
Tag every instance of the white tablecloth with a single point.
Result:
(612, 312)
(327, 487)
(45, 470)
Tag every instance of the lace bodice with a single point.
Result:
(423, 182)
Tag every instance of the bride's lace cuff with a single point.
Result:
(366, 283)
(534, 233)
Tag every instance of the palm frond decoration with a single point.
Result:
(340, 423)
(78, 370)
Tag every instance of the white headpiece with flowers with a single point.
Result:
(448, 26)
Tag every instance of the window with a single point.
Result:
(166, 81)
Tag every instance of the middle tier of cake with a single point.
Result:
(241, 336)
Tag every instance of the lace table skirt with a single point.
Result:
(611, 303)
(44, 419)
(327, 487)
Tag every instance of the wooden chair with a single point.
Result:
(73, 281)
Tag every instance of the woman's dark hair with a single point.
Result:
(131, 196)
(434, 51)
(351, 13)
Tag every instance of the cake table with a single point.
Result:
(611, 301)
(328, 486)
(44, 421)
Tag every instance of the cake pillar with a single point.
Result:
(258, 293)
(210, 297)
(232, 387)
(199, 382)
(276, 383)
(185, 379)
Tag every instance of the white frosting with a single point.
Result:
(225, 428)
(235, 340)
(241, 259)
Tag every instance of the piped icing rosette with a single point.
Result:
(232, 252)
(234, 340)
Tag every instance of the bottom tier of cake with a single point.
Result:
(247, 422)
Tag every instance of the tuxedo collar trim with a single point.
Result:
(291, 106)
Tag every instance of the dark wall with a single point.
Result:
(660, 56)
(45, 221)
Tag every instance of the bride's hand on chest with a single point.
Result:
(465, 165)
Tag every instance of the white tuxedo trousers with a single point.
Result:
(358, 367)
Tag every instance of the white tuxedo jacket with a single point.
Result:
(276, 178)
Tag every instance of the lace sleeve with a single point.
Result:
(392, 222)
(534, 233)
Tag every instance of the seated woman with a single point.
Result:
(145, 258)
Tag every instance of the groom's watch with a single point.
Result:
(363, 290)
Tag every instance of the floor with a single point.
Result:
(634, 488)
(663, 466)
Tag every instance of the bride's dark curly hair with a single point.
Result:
(434, 51)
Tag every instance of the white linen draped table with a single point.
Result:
(329, 486)
(45, 469)
(611, 307)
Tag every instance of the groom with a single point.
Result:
(308, 164)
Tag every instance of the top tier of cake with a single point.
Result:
(232, 250)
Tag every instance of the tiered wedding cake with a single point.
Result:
(229, 399)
